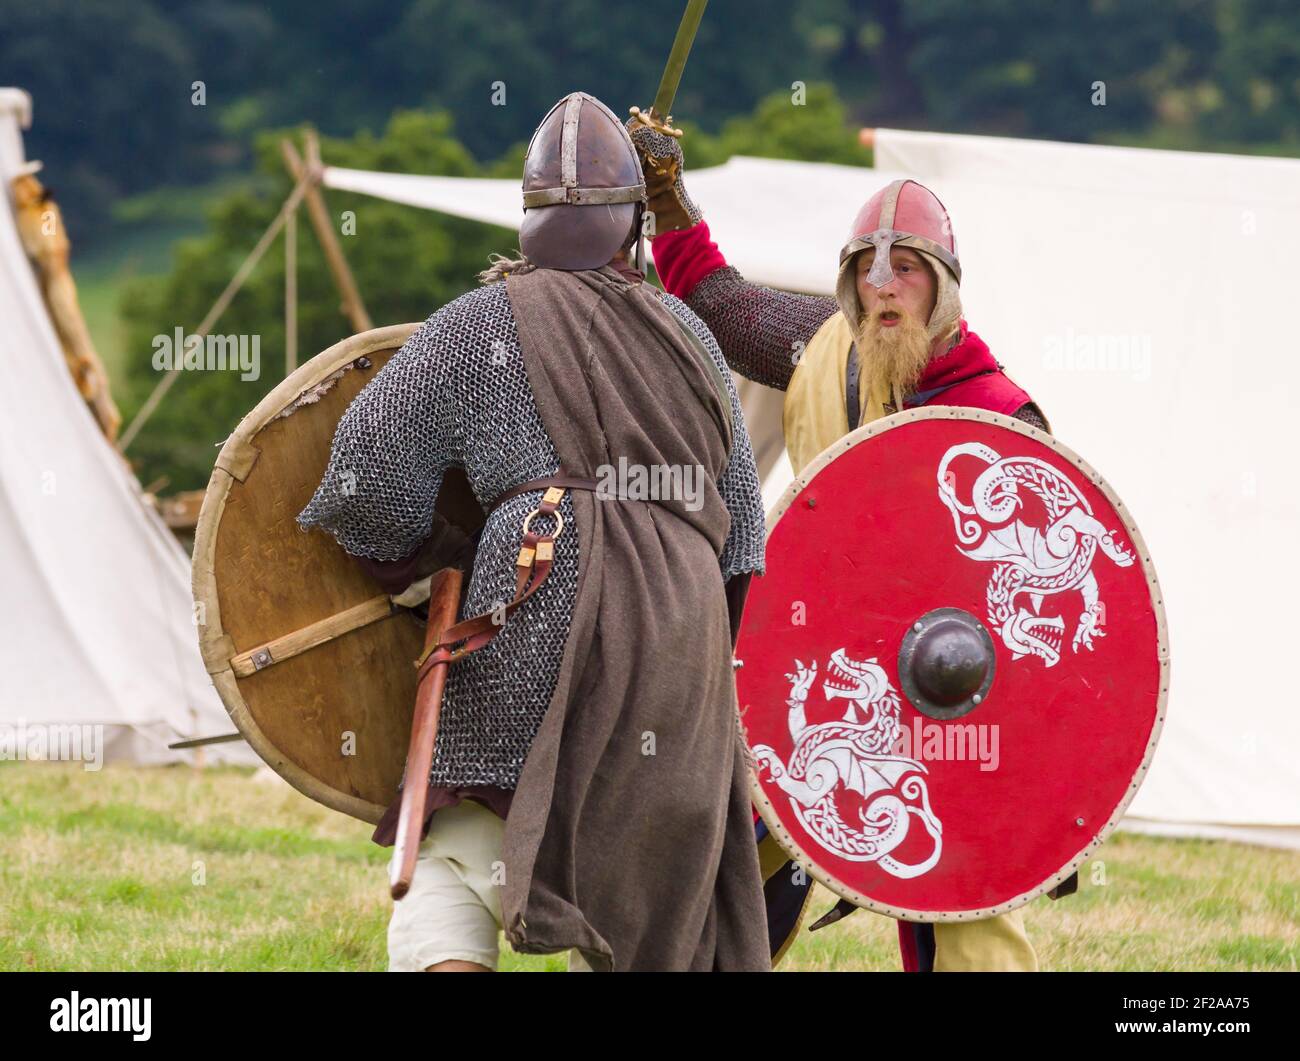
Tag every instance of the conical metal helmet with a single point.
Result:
(582, 186)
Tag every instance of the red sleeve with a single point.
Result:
(685, 257)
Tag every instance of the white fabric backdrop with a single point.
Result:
(95, 617)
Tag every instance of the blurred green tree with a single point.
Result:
(1252, 93)
(1004, 66)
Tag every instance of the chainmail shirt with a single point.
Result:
(457, 394)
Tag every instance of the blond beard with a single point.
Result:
(892, 359)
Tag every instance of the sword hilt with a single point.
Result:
(650, 118)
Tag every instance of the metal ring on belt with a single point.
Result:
(559, 521)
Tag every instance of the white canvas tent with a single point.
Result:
(1143, 298)
(96, 624)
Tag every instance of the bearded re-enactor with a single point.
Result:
(892, 338)
(589, 788)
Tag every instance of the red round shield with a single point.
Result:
(953, 675)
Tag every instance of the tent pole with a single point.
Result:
(291, 293)
(325, 234)
(218, 308)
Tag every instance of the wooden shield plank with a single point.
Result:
(313, 664)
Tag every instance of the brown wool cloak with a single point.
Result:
(641, 861)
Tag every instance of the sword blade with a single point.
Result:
(677, 58)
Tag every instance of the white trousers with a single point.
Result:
(453, 910)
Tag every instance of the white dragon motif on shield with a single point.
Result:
(1030, 562)
(849, 762)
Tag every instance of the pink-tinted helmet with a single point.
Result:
(906, 214)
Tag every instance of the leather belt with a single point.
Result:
(532, 567)
(568, 482)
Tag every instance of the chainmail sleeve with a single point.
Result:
(738, 484)
(762, 331)
(1030, 414)
(457, 393)
(390, 450)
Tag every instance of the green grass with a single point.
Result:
(214, 869)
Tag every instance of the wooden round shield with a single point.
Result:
(954, 673)
(311, 658)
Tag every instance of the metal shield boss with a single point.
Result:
(953, 675)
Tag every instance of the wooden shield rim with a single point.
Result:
(234, 462)
(952, 412)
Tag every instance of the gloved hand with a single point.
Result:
(663, 163)
(447, 546)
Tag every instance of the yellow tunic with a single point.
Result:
(813, 418)
(815, 414)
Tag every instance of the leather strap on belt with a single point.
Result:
(533, 565)
(852, 377)
(568, 482)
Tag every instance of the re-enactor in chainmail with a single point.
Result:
(891, 338)
(588, 789)
(462, 379)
